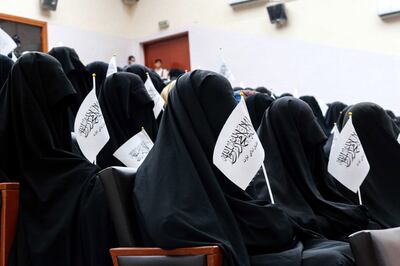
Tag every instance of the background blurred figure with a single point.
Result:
(131, 60)
(163, 73)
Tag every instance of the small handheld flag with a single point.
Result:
(133, 152)
(155, 96)
(7, 44)
(238, 153)
(348, 162)
(112, 66)
(90, 127)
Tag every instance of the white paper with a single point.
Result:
(238, 152)
(90, 127)
(112, 66)
(133, 152)
(155, 96)
(7, 44)
(347, 160)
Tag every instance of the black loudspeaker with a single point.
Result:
(49, 4)
(277, 14)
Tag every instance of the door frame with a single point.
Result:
(32, 22)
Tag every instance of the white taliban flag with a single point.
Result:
(112, 66)
(7, 44)
(347, 160)
(155, 96)
(90, 127)
(238, 152)
(133, 152)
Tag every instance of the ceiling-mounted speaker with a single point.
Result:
(49, 4)
(277, 14)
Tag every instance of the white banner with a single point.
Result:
(90, 127)
(133, 152)
(155, 96)
(238, 152)
(347, 160)
(112, 66)
(7, 44)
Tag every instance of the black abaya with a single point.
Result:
(184, 200)
(378, 135)
(142, 71)
(63, 218)
(257, 104)
(126, 107)
(5, 67)
(297, 171)
(75, 71)
(313, 103)
(100, 69)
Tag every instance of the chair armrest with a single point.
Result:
(214, 253)
(9, 216)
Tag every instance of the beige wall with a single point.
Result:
(342, 23)
(105, 16)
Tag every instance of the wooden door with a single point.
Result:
(172, 50)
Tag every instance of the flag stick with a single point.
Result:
(359, 196)
(268, 185)
(94, 81)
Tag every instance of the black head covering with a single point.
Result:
(332, 117)
(263, 90)
(174, 73)
(75, 71)
(5, 67)
(298, 173)
(141, 71)
(100, 69)
(285, 94)
(333, 113)
(257, 104)
(313, 103)
(378, 135)
(56, 186)
(186, 201)
(126, 107)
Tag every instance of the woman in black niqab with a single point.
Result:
(5, 67)
(100, 69)
(313, 103)
(126, 107)
(75, 71)
(186, 201)
(142, 71)
(297, 171)
(378, 135)
(62, 216)
(331, 117)
(257, 104)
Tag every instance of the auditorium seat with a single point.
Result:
(118, 185)
(9, 216)
(376, 247)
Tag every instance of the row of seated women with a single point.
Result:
(180, 198)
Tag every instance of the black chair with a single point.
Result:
(118, 186)
(376, 247)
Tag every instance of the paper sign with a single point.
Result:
(347, 160)
(133, 152)
(112, 66)
(155, 96)
(90, 127)
(7, 44)
(238, 152)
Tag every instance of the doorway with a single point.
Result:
(172, 50)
